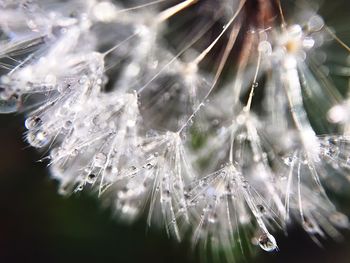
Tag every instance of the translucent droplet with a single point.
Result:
(315, 23)
(37, 138)
(91, 178)
(83, 79)
(267, 242)
(79, 188)
(68, 125)
(149, 166)
(265, 47)
(33, 122)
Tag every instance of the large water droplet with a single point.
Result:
(267, 242)
(32, 122)
(91, 178)
(68, 125)
(37, 138)
(149, 166)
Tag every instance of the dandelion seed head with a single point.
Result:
(147, 116)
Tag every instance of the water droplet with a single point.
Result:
(267, 242)
(68, 125)
(261, 208)
(37, 138)
(149, 166)
(265, 47)
(223, 173)
(91, 178)
(33, 122)
(79, 188)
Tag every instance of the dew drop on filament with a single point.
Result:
(38, 138)
(267, 242)
(32, 122)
